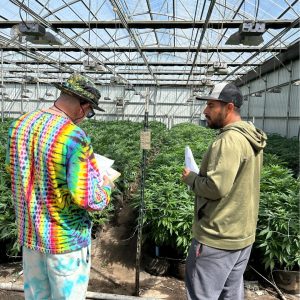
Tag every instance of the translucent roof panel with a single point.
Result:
(159, 41)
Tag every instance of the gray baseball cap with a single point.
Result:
(225, 92)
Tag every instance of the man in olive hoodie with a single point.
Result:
(226, 203)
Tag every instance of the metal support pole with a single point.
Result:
(22, 100)
(142, 204)
(2, 94)
(192, 107)
(248, 114)
(265, 101)
(155, 103)
(288, 106)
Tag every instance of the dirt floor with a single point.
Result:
(113, 269)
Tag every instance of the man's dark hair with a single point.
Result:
(236, 109)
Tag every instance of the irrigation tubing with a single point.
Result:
(281, 296)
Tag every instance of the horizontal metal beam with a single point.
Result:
(110, 102)
(116, 115)
(215, 24)
(104, 115)
(129, 71)
(144, 49)
(136, 82)
(106, 81)
(130, 63)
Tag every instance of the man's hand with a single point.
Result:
(107, 181)
(185, 172)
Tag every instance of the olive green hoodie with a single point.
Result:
(228, 186)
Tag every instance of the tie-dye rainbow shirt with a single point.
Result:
(55, 181)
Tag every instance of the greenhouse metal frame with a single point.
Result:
(166, 51)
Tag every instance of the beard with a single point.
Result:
(217, 122)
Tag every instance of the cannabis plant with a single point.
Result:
(278, 233)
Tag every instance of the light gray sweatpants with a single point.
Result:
(213, 274)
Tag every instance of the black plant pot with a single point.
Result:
(288, 280)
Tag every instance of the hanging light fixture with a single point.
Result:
(210, 70)
(275, 90)
(129, 88)
(49, 94)
(34, 33)
(190, 100)
(257, 94)
(199, 90)
(206, 82)
(120, 102)
(30, 79)
(115, 80)
(27, 91)
(249, 34)
(195, 93)
(92, 65)
(296, 83)
(218, 67)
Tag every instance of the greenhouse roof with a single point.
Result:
(136, 42)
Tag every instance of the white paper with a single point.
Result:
(104, 165)
(190, 161)
(112, 174)
(103, 162)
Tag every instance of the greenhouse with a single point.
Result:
(152, 61)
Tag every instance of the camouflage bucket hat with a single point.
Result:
(80, 86)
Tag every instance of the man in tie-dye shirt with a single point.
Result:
(55, 182)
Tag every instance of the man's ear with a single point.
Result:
(230, 107)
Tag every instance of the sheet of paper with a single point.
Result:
(190, 161)
(104, 165)
(103, 162)
(112, 174)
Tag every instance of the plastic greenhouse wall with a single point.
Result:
(274, 112)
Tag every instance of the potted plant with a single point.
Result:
(278, 237)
